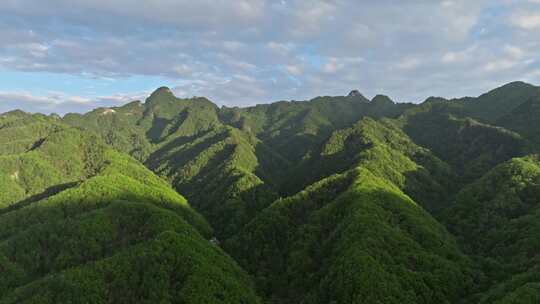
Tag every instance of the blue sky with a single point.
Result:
(74, 55)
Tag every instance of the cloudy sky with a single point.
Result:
(73, 55)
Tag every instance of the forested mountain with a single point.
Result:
(83, 223)
(469, 146)
(497, 219)
(332, 200)
(356, 237)
(231, 162)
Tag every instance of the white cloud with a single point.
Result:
(294, 69)
(510, 57)
(311, 16)
(233, 45)
(26, 97)
(451, 57)
(514, 51)
(499, 65)
(242, 65)
(409, 63)
(282, 49)
(333, 65)
(183, 69)
(460, 56)
(526, 20)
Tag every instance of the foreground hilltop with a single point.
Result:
(83, 223)
(332, 200)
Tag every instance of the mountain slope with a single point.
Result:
(328, 242)
(332, 200)
(523, 119)
(491, 106)
(106, 225)
(293, 128)
(414, 169)
(117, 127)
(497, 220)
(229, 162)
(184, 141)
(470, 147)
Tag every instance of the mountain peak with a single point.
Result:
(382, 99)
(159, 95)
(518, 84)
(434, 99)
(16, 112)
(163, 90)
(354, 93)
(509, 88)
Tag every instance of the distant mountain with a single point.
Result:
(501, 101)
(332, 200)
(472, 148)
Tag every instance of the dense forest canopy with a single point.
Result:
(333, 200)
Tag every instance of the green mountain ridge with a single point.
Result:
(347, 228)
(332, 200)
(497, 220)
(66, 245)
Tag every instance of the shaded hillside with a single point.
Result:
(229, 162)
(512, 106)
(421, 175)
(524, 119)
(499, 102)
(294, 128)
(355, 237)
(470, 147)
(219, 173)
(184, 141)
(497, 219)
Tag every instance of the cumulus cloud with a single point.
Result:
(526, 20)
(246, 52)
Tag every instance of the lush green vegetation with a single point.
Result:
(327, 242)
(230, 163)
(499, 102)
(523, 119)
(470, 147)
(332, 200)
(497, 219)
(84, 223)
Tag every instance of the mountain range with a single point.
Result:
(333, 200)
